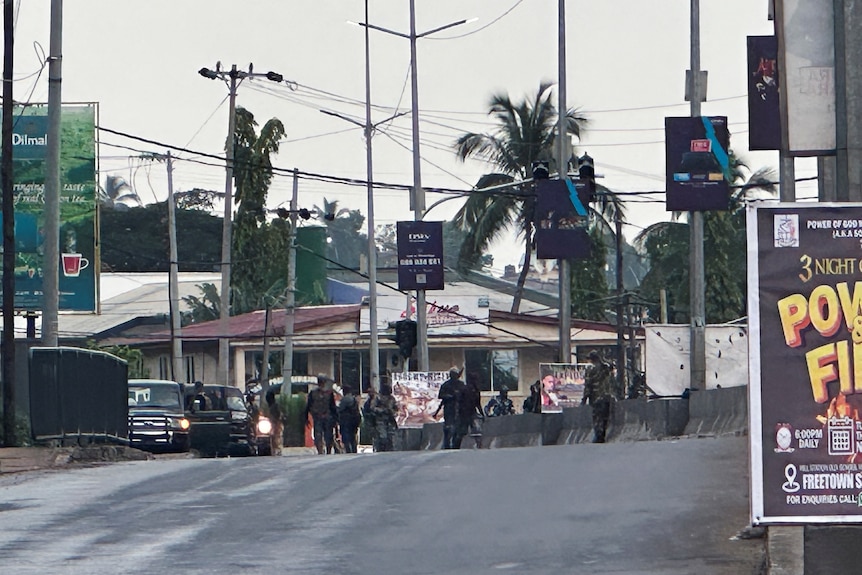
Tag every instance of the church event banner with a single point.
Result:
(805, 362)
(78, 263)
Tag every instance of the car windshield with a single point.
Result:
(235, 401)
(154, 395)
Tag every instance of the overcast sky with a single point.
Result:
(626, 69)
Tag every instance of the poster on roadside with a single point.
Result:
(805, 362)
(416, 394)
(562, 385)
(78, 260)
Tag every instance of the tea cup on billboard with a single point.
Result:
(73, 264)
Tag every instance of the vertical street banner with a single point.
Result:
(805, 362)
(764, 111)
(78, 232)
(416, 393)
(807, 64)
(420, 255)
(697, 164)
(561, 225)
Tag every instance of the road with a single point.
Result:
(669, 507)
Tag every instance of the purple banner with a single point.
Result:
(560, 230)
(764, 113)
(420, 255)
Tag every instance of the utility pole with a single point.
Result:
(232, 78)
(565, 271)
(8, 343)
(697, 338)
(621, 352)
(51, 263)
(290, 296)
(174, 285)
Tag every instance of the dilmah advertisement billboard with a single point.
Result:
(805, 362)
(77, 266)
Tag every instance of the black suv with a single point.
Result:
(157, 421)
(222, 423)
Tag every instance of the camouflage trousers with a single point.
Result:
(384, 436)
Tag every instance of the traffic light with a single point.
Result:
(587, 175)
(405, 336)
(541, 170)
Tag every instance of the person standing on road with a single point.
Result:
(501, 404)
(599, 394)
(349, 418)
(321, 406)
(276, 417)
(471, 416)
(384, 408)
(450, 395)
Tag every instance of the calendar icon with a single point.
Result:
(841, 436)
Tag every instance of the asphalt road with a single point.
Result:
(669, 507)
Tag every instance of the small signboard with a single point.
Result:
(420, 255)
(697, 164)
(805, 393)
(560, 227)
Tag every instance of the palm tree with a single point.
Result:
(347, 242)
(525, 134)
(666, 245)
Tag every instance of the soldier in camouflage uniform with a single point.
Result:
(500, 405)
(598, 393)
(384, 408)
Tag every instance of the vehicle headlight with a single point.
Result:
(185, 424)
(264, 426)
(180, 423)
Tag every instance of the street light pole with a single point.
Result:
(232, 78)
(417, 198)
(373, 348)
(565, 273)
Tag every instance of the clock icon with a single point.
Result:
(783, 437)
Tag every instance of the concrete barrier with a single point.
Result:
(640, 419)
(432, 436)
(576, 426)
(718, 412)
(409, 439)
(522, 430)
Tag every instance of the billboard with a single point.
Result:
(454, 315)
(805, 362)
(807, 63)
(416, 394)
(764, 111)
(697, 164)
(78, 234)
(562, 385)
(561, 219)
(420, 255)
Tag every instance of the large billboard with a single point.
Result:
(697, 164)
(805, 362)
(806, 33)
(78, 233)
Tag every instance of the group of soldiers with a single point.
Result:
(345, 416)
(461, 403)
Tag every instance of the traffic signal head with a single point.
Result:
(541, 170)
(587, 175)
(405, 336)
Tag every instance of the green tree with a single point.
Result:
(525, 133)
(667, 246)
(344, 228)
(260, 251)
(204, 308)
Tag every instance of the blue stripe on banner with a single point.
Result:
(573, 195)
(719, 152)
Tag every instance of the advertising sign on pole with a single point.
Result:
(697, 164)
(764, 111)
(416, 393)
(560, 224)
(805, 363)
(78, 233)
(420, 255)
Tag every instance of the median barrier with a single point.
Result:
(431, 436)
(640, 419)
(576, 426)
(409, 439)
(552, 425)
(524, 430)
(718, 412)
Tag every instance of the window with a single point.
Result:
(494, 367)
(189, 362)
(354, 368)
(164, 367)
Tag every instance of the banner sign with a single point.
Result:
(808, 72)
(697, 164)
(560, 227)
(805, 368)
(454, 315)
(562, 385)
(78, 233)
(764, 112)
(416, 393)
(420, 255)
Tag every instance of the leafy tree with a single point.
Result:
(204, 308)
(667, 246)
(134, 358)
(525, 133)
(347, 241)
(260, 251)
(589, 281)
(197, 199)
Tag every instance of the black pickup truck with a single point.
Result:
(222, 423)
(157, 422)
